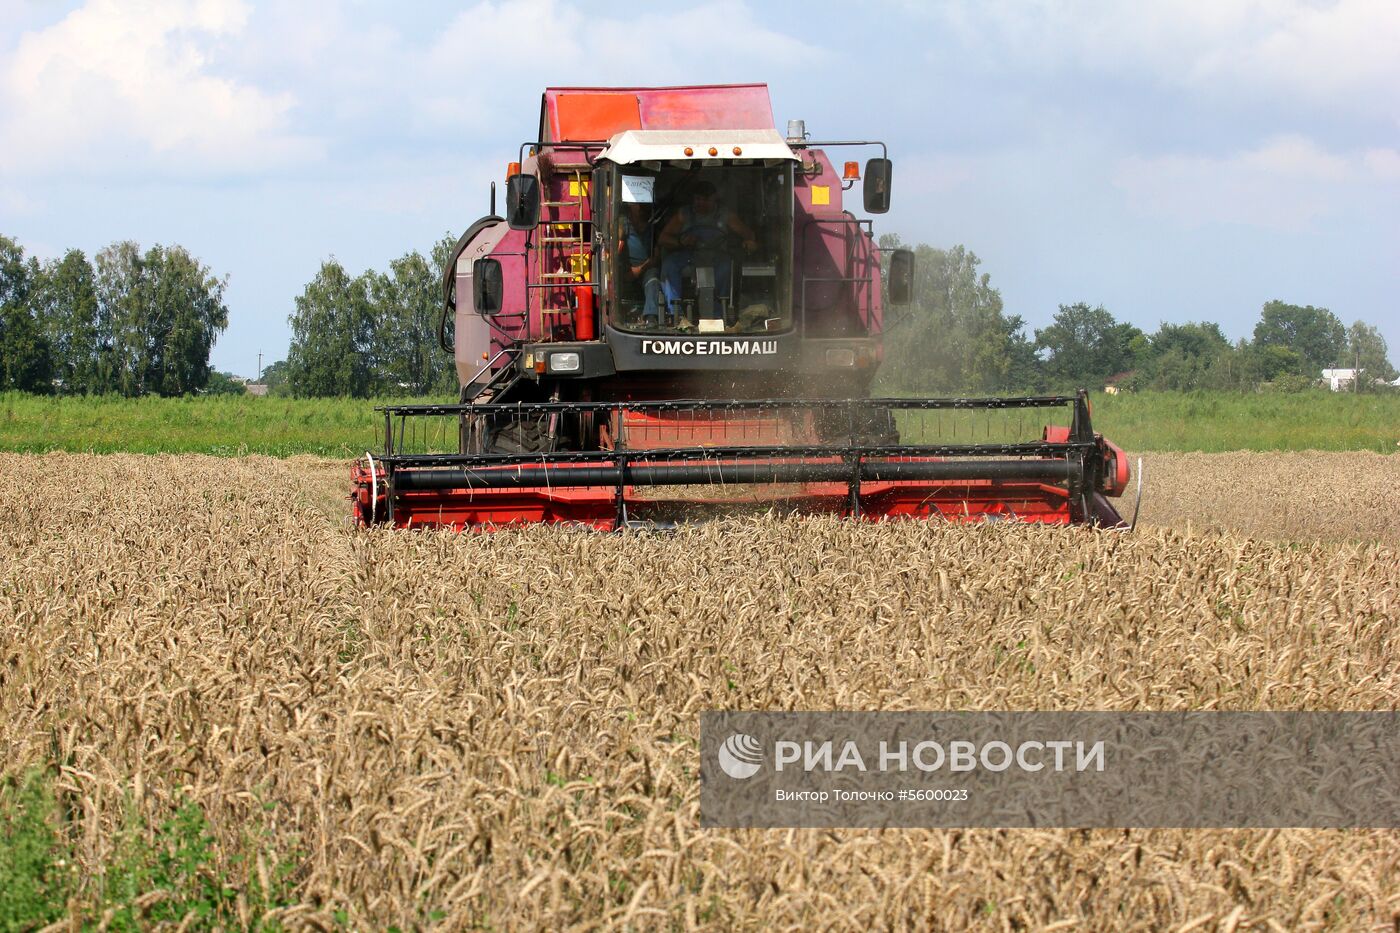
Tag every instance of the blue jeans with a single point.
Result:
(651, 290)
(674, 264)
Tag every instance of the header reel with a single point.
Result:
(667, 461)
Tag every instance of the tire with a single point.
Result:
(872, 428)
(522, 437)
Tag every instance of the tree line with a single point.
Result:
(135, 321)
(130, 322)
(372, 334)
(958, 339)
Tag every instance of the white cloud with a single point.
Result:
(1342, 54)
(1287, 183)
(1383, 163)
(120, 86)
(562, 43)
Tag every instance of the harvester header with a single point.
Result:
(679, 314)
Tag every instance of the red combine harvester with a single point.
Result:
(679, 316)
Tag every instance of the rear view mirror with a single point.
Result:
(877, 186)
(522, 201)
(901, 287)
(487, 286)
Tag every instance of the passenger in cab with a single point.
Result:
(640, 259)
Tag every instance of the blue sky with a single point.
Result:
(1171, 159)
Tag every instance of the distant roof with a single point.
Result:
(598, 113)
(1339, 374)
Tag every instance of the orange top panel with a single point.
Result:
(596, 116)
(581, 113)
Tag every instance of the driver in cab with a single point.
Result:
(704, 224)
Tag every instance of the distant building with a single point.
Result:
(255, 388)
(1115, 383)
(1339, 380)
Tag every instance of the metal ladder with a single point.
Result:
(564, 256)
(497, 382)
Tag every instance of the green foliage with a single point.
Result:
(1366, 350)
(161, 311)
(224, 384)
(956, 337)
(1185, 357)
(1083, 346)
(65, 299)
(36, 870)
(407, 303)
(171, 875)
(25, 360)
(274, 376)
(1266, 363)
(137, 323)
(1314, 334)
(333, 336)
(375, 334)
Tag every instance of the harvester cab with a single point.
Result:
(679, 314)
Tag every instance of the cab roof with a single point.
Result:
(631, 146)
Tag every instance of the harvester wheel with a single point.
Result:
(479, 435)
(471, 434)
(867, 429)
(879, 429)
(520, 437)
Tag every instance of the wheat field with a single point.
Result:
(433, 730)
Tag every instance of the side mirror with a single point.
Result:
(901, 287)
(522, 201)
(487, 286)
(877, 186)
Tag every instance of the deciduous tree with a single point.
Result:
(65, 301)
(25, 361)
(407, 302)
(1368, 352)
(163, 310)
(1083, 346)
(333, 337)
(957, 336)
(1314, 334)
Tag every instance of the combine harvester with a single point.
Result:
(678, 316)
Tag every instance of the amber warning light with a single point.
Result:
(852, 172)
(512, 169)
